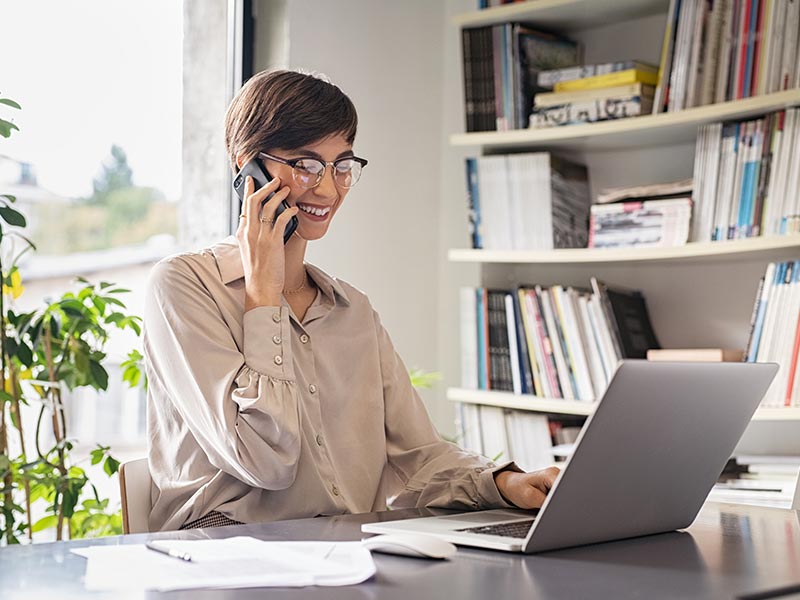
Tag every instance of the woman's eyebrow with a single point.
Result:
(311, 153)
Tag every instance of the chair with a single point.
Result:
(796, 501)
(134, 490)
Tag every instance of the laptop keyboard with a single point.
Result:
(517, 529)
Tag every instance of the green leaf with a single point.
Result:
(72, 307)
(9, 102)
(112, 300)
(45, 523)
(119, 291)
(97, 455)
(111, 465)
(25, 355)
(99, 375)
(99, 304)
(5, 396)
(9, 197)
(11, 216)
(6, 128)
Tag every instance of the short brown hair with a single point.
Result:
(286, 110)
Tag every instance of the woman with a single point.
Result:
(274, 391)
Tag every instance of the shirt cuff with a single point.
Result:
(489, 495)
(267, 341)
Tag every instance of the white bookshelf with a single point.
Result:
(557, 406)
(699, 294)
(636, 132)
(564, 15)
(765, 248)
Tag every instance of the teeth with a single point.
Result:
(314, 211)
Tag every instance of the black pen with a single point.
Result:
(169, 552)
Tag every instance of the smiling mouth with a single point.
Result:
(314, 210)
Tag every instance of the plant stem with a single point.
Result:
(57, 430)
(18, 413)
(8, 480)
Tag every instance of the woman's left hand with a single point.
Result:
(526, 490)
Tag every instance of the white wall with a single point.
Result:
(387, 56)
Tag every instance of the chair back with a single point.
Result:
(134, 490)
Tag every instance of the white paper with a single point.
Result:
(227, 563)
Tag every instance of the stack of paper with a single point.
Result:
(227, 563)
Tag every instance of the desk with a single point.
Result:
(729, 550)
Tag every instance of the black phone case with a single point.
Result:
(260, 178)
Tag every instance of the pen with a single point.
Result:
(170, 552)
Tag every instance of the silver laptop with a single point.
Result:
(643, 463)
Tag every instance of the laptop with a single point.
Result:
(643, 463)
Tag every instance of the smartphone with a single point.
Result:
(260, 178)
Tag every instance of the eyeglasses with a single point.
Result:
(308, 172)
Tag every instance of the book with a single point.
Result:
(649, 224)
(551, 77)
(650, 77)
(626, 311)
(591, 111)
(621, 91)
(696, 355)
(646, 192)
(531, 201)
(500, 67)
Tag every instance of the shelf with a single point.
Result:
(564, 15)
(518, 402)
(768, 248)
(634, 132)
(572, 407)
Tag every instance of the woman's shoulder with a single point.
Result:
(188, 266)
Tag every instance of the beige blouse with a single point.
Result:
(262, 417)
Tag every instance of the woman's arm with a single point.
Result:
(241, 405)
(435, 473)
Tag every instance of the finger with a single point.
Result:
(253, 198)
(532, 497)
(269, 209)
(283, 220)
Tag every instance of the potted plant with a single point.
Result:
(44, 353)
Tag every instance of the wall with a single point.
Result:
(387, 57)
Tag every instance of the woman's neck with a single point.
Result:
(295, 252)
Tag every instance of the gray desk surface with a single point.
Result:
(728, 551)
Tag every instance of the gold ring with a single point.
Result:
(243, 216)
(263, 220)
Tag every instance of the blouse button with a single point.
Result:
(276, 317)
(278, 360)
(335, 490)
(319, 440)
(312, 388)
(276, 339)
(304, 338)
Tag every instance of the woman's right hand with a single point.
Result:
(261, 244)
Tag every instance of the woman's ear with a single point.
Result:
(240, 160)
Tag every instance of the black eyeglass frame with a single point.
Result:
(293, 161)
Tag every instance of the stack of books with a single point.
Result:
(591, 93)
(775, 331)
(650, 216)
(720, 50)
(501, 63)
(747, 177)
(551, 342)
(502, 434)
(529, 201)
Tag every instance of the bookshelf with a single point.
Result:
(557, 406)
(564, 15)
(639, 132)
(700, 294)
(762, 248)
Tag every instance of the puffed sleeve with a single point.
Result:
(241, 405)
(435, 473)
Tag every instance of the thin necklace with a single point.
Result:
(297, 290)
